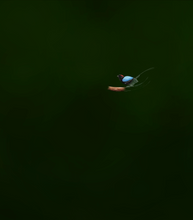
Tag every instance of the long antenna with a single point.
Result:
(144, 72)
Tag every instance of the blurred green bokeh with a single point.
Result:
(70, 148)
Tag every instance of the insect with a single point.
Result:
(130, 81)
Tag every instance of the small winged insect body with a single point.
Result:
(131, 82)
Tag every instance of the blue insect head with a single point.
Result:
(127, 79)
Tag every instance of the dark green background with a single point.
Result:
(71, 149)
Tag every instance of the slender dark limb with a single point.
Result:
(141, 83)
(137, 84)
(133, 88)
(144, 72)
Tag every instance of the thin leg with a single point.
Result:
(144, 72)
(133, 88)
(141, 83)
